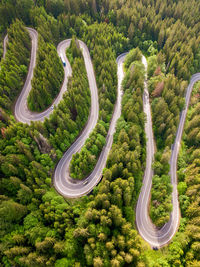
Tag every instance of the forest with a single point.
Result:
(38, 226)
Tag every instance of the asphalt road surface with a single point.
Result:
(74, 188)
(155, 237)
(4, 45)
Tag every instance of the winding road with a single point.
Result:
(62, 182)
(155, 237)
(73, 189)
(22, 113)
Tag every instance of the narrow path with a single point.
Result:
(155, 237)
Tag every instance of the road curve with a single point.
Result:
(148, 231)
(22, 113)
(74, 188)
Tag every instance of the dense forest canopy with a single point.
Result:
(38, 227)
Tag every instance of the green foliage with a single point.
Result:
(156, 66)
(9, 10)
(83, 163)
(182, 186)
(48, 76)
(155, 258)
(75, 48)
(11, 214)
(149, 47)
(46, 25)
(133, 55)
(104, 56)
(14, 67)
(167, 25)
(192, 127)
(167, 93)
(160, 200)
(134, 77)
